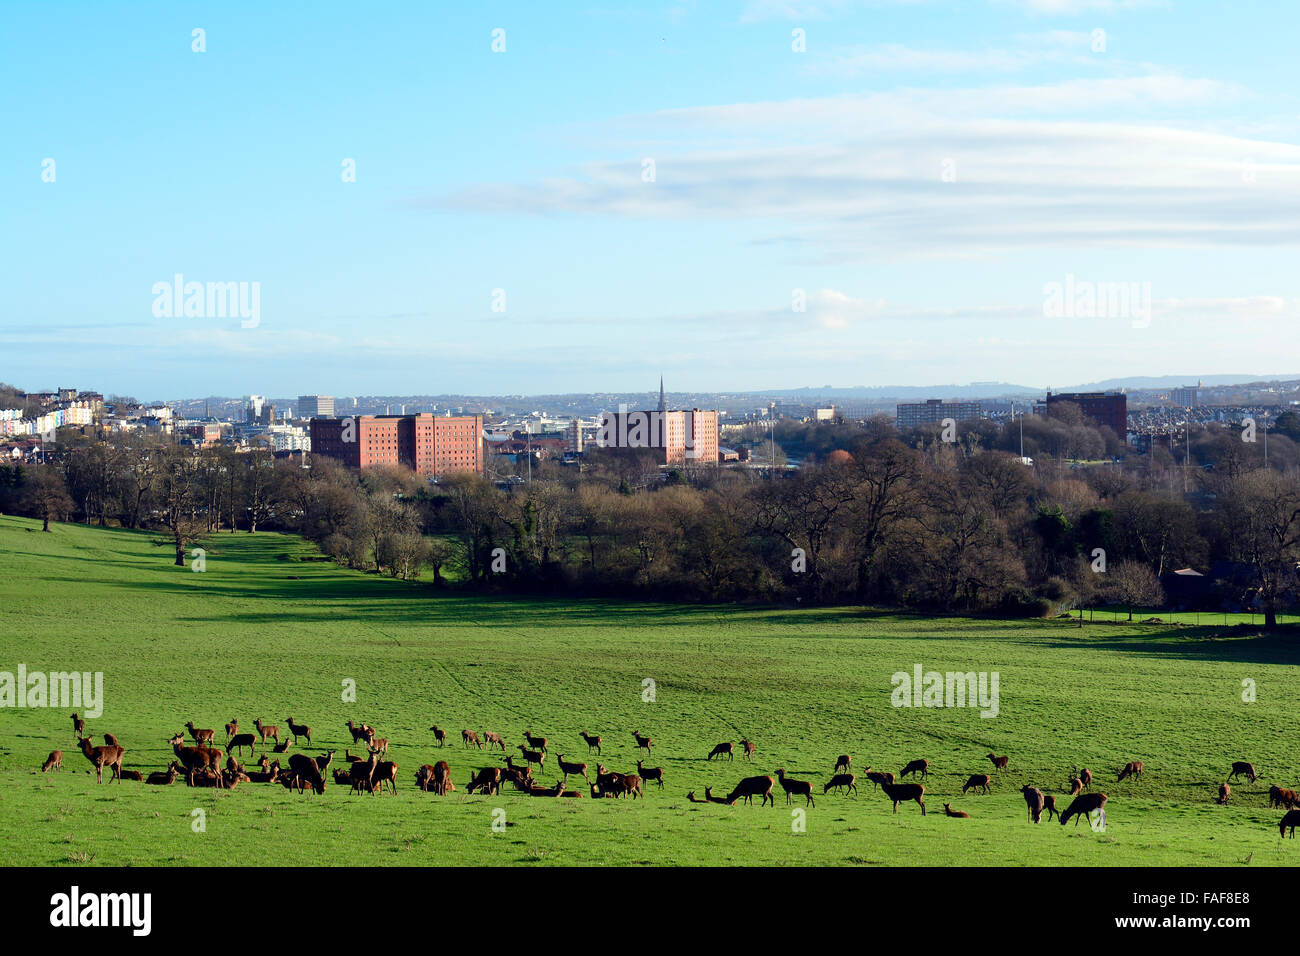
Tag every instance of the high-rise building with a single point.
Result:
(427, 444)
(679, 437)
(1188, 396)
(315, 406)
(1108, 409)
(933, 411)
(258, 411)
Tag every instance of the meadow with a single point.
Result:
(269, 631)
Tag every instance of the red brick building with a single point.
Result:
(1101, 408)
(429, 445)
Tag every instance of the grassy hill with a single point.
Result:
(266, 632)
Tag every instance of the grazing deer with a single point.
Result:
(537, 743)
(1282, 797)
(976, 781)
(441, 779)
(1131, 769)
(752, 787)
(919, 766)
(78, 726)
(648, 773)
(240, 741)
(1085, 804)
(102, 757)
(642, 743)
(488, 780)
(748, 748)
(1076, 786)
(468, 737)
(299, 730)
(200, 735)
(1289, 821)
(232, 728)
(490, 739)
(533, 756)
(1225, 791)
(1034, 802)
(439, 735)
(306, 772)
(877, 777)
(903, 792)
(841, 780)
(265, 731)
(719, 750)
(1245, 769)
(842, 764)
(1049, 804)
(53, 762)
(999, 763)
(792, 787)
(359, 733)
(593, 740)
(577, 769)
(949, 811)
(381, 745)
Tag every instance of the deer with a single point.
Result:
(78, 726)
(708, 797)
(592, 740)
(537, 743)
(976, 782)
(1076, 786)
(577, 769)
(647, 774)
(488, 779)
(1289, 821)
(792, 787)
(950, 812)
(1225, 791)
(1034, 802)
(843, 764)
(533, 756)
(1049, 805)
(232, 728)
(607, 780)
(307, 772)
(267, 731)
(110, 741)
(748, 747)
(436, 778)
(194, 758)
(1245, 769)
(721, 749)
(877, 777)
(282, 746)
(559, 791)
(490, 739)
(362, 773)
(999, 763)
(323, 760)
(630, 785)
(642, 743)
(1131, 769)
(53, 762)
(841, 780)
(1084, 805)
(200, 736)
(468, 737)
(1085, 778)
(380, 744)
(299, 730)
(752, 787)
(164, 778)
(438, 735)
(270, 772)
(903, 792)
(920, 766)
(1280, 796)
(359, 733)
(240, 741)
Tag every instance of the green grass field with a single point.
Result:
(262, 633)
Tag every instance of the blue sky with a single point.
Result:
(918, 174)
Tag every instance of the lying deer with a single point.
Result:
(949, 811)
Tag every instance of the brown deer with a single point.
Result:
(487, 779)
(842, 764)
(631, 786)
(380, 744)
(1131, 769)
(490, 740)
(1225, 791)
(721, 749)
(533, 756)
(642, 743)
(307, 772)
(110, 741)
(1085, 804)
(359, 733)
(281, 746)
(1049, 805)
(1245, 769)
(841, 780)
(752, 787)
(1034, 802)
(949, 811)
(537, 743)
(323, 761)
(999, 763)
(267, 731)
(164, 778)
(53, 762)
(903, 792)
(708, 797)
(877, 777)
(439, 735)
(577, 769)
(919, 766)
(792, 787)
(299, 730)
(240, 741)
(1085, 778)
(78, 726)
(362, 773)
(593, 740)
(194, 758)
(468, 737)
(977, 781)
(748, 747)
(232, 728)
(102, 757)
(1076, 786)
(1282, 797)
(442, 778)
(648, 773)
(200, 735)
(607, 780)
(1289, 821)
(269, 772)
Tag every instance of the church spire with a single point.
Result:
(663, 402)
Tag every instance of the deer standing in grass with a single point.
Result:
(102, 757)
(439, 735)
(919, 766)
(752, 787)
(642, 743)
(795, 787)
(266, 731)
(592, 740)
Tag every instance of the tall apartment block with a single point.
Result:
(315, 406)
(1101, 408)
(934, 411)
(430, 445)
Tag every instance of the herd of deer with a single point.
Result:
(201, 765)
